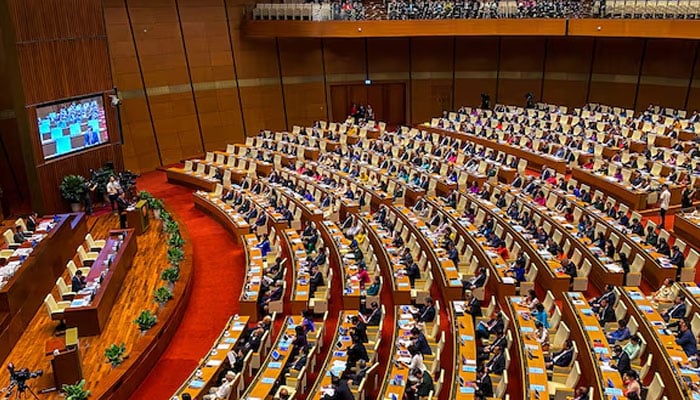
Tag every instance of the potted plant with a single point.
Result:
(77, 391)
(170, 275)
(73, 190)
(116, 354)
(175, 240)
(175, 255)
(162, 295)
(145, 321)
(156, 205)
(145, 195)
(171, 226)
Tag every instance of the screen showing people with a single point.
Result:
(72, 126)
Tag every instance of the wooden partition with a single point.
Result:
(53, 50)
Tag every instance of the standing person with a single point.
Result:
(89, 187)
(664, 203)
(113, 190)
(122, 205)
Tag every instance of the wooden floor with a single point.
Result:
(136, 294)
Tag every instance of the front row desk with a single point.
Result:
(90, 309)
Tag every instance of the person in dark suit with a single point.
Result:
(637, 227)
(426, 312)
(122, 206)
(569, 267)
(484, 352)
(497, 363)
(320, 258)
(31, 221)
(359, 329)
(374, 316)
(412, 271)
(677, 259)
(608, 294)
(315, 281)
(472, 306)
(476, 281)
(420, 341)
(483, 388)
(78, 281)
(356, 352)
(686, 339)
(605, 313)
(662, 247)
(676, 311)
(561, 358)
(622, 360)
(20, 235)
(273, 295)
(422, 387)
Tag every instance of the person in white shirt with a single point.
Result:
(113, 189)
(223, 391)
(664, 203)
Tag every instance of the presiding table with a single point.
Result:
(90, 309)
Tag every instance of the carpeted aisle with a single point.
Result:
(217, 280)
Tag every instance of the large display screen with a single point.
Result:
(71, 126)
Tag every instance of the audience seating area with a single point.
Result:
(544, 276)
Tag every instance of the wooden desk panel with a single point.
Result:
(498, 283)
(264, 382)
(687, 228)
(600, 275)
(212, 364)
(248, 301)
(223, 213)
(92, 318)
(450, 282)
(340, 246)
(592, 343)
(381, 239)
(178, 176)
(336, 359)
(465, 353)
(26, 289)
(527, 354)
(535, 160)
(300, 280)
(660, 342)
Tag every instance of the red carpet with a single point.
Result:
(217, 280)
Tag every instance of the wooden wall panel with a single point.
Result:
(56, 19)
(301, 63)
(432, 73)
(567, 71)
(54, 70)
(388, 55)
(345, 56)
(140, 151)
(306, 103)
(521, 63)
(263, 108)
(616, 66)
(476, 70)
(163, 65)
(206, 37)
(665, 79)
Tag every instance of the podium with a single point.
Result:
(65, 362)
(137, 218)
